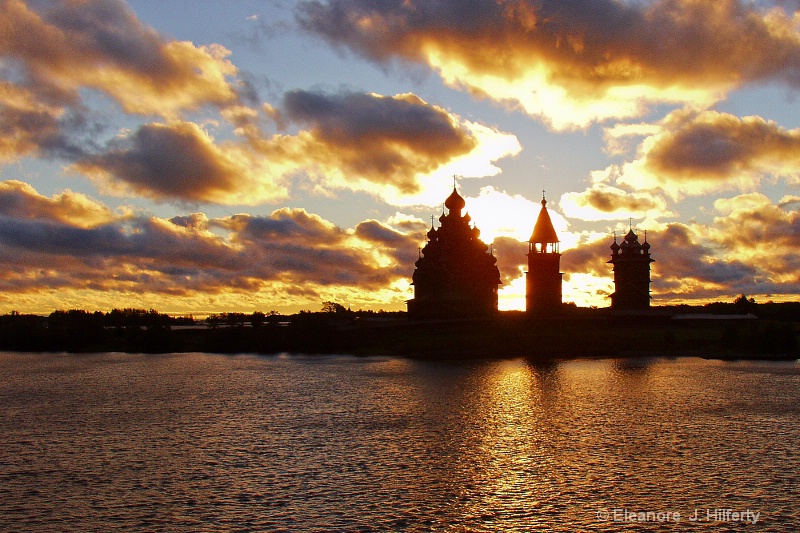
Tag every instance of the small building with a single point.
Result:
(543, 279)
(631, 263)
(456, 275)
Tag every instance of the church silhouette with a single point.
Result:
(456, 275)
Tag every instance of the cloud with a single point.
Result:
(573, 63)
(753, 230)
(20, 200)
(511, 258)
(181, 161)
(397, 147)
(29, 126)
(712, 151)
(692, 266)
(388, 146)
(604, 202)
(381, 139)
(588, 257)
(119, 56)
(72, 244)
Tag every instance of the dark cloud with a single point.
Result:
(374, 231)
(769, 233)
(48, 243)
(386, 139)
(20, 200)
(588, 257)
(118, 55)
(510, 254)
(28, 126)
(718, 148)
(653, 51)
(684, 268)
(177, 160)
(181, 161)
(403, 248)
(358, 141)
(605, 202)
(608, 202)
(287, 226)
(681, 259)
(53, 51)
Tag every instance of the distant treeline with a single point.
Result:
(148, 331)
(336, 329)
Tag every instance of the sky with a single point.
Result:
(218, 156)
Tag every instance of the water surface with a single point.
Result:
(200, 442)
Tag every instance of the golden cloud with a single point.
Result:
(696, 153)
(27, 124)
(395, 147)
(180, 160)
(754, 228)
(20, 200)
(604, 202)
(573, 63)
(144, 72)
(390, 146)
(72, 245)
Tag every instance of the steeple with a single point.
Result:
(543, 232)
(543, 279)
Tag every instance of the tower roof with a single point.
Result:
(543, 231)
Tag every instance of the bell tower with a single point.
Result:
(631, 263)
(543, 279)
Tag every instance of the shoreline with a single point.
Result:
(599, 336)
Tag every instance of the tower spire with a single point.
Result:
(543, 279)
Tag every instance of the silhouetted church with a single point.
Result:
(455, 274)
(631, 262)
(543, 279)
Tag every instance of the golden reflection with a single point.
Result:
(511, 448)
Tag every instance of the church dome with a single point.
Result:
(455, 202)
(615, 246)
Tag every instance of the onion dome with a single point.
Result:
(431, 233)
(467, 218)
(455, 202)
(615, 247)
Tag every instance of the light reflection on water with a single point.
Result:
(200, 442)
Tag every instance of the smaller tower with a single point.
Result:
(543, 279)
(631, 263)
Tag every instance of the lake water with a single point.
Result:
(199, 442)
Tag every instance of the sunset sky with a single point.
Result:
(207, 156)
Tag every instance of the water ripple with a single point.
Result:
(199, 442)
